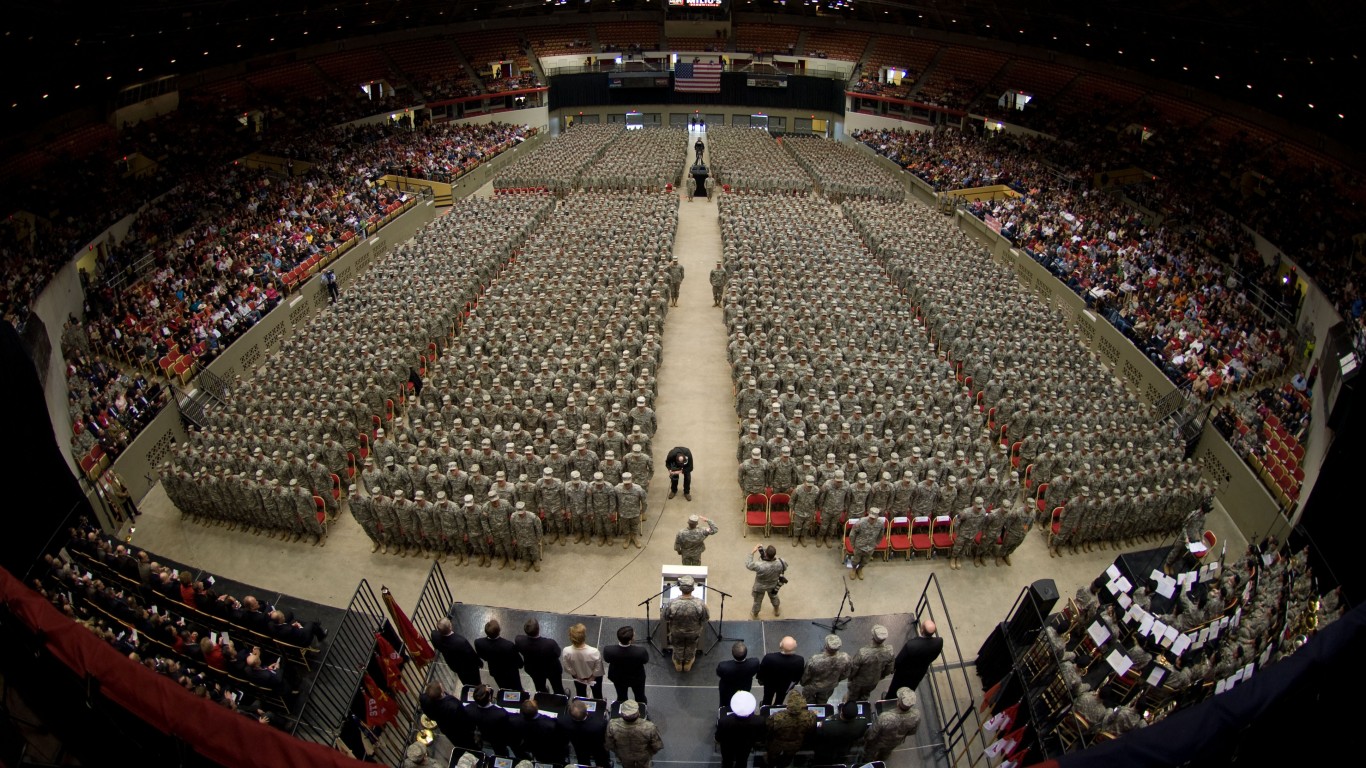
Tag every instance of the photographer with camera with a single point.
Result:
(768, 577)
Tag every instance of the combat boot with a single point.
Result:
(688, 667)
(536, 566)
(375, 548)
(636, 543)
(503, 564)
(526, 567)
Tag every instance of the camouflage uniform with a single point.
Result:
(526, 533)
(687, 616)
(692, 541)
(824, 671)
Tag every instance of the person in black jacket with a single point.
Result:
(587, 732)
(457, 652)
(736, 674)
(540, 658)
(449, 714)
(914, 660)
(626, 665)
(780, 670)
(738, 730)
(501, 656)
(490, 719)
(294, 632)
(537, 738)
(679, 463)
(836, 736)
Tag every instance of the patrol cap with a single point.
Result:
(905, 697)
(630, 708)
(520, 505)
(742, 703)
(879, 632)
(686, 582)
(833, 642)
(469, 499)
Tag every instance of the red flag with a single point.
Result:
(379, 708)
(392, 664)
(419, 650)
(989, 698)
(1004, 720)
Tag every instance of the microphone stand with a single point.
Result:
(840, 621)
(720, 628)
(649, 631)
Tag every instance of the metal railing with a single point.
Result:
(327, 702)
(960, 726)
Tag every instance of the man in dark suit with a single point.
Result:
(915, 659)
(587, 732)
(490, 719)
(457, 652)
(449, 714)
(537, 738)
(679, 463)
(779, 671)
(294, 632)
(501, 656)
(540, 658)
(736, 674)
(738, 730)
(626, 665)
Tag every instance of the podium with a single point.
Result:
(670, 574)
(699, 173)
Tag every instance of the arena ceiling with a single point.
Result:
(1273, 55)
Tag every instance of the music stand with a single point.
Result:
(840, 621)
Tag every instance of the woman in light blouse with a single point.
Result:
(583, 662)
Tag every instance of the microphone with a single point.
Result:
(851, 602)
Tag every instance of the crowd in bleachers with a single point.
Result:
(1269, 428)
(108, 406)
(1181, 291)
(247, 655)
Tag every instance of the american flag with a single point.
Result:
(701, 77)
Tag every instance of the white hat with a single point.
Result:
(742, 703)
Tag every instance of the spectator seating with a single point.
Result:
(561, 40)
(766, 38)
(434, 67)
(845, 45)
(696, 44)
(350, 69)
(294, 80)
(1038, 78)
(624, 35)
(905, 53)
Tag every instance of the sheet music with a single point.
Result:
(1124, 600)
(1220, 687)
(1124, 585)
(1113, 572)
(1180, 645)
(1119, 662)
(1155, 676)
(1166, 586)
(1147, 625)
(1098, 632)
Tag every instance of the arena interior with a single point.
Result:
(1023, 333)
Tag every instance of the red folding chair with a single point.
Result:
(756, 512)
(899, 536)
(942, 535)
(884, 543)
(921, 540)
(779, 512)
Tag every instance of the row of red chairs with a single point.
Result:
(901, 534)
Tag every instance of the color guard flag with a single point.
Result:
(697, 77)
(391, 661)
(419, 650)
(379, 708)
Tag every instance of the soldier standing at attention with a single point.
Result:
(634, 741)
(717, 278)
(692, 541)
(893, 726)
(686, 616)
(527, 532)
(675, 281)
(825, 671)
(872, 663)
(865, 535)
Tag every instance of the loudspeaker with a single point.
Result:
(1032, 612)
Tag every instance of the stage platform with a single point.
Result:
(684, 705)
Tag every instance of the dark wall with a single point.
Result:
(590, 89)
(44, 495)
